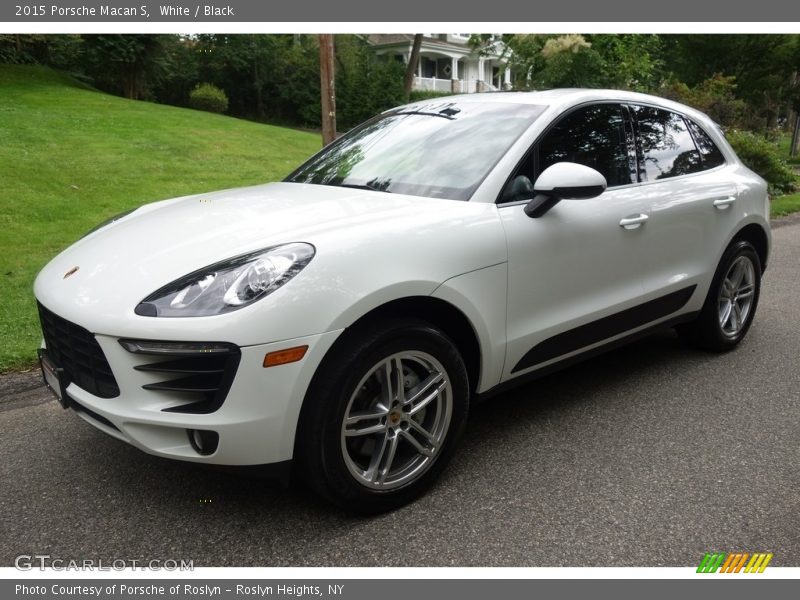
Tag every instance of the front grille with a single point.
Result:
(76, 350)
(203, 380)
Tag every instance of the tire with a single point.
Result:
(363, 445)
(731, 303)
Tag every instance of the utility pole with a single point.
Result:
(327, 87)
(794, 111)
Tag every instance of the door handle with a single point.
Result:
(633, 221)
(724, 202)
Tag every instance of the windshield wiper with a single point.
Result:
(355, 186)
(442, 114)
(373, 185)
(449, 111)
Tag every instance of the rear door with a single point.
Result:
(688, 194)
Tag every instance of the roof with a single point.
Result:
(382, 39)
(393, 39)
(565, 97)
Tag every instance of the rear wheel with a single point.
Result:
(731, 302)
(383, 416)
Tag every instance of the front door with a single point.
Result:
(574, 274)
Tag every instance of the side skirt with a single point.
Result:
(602, 329)
(577, 358)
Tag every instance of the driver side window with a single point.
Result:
(595, 136)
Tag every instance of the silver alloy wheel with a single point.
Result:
(396, 420)
(736, 296)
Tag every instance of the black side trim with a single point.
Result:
(577, 358)
(602, 329)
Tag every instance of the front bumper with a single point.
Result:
(256, 423)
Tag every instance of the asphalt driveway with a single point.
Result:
(651, 455)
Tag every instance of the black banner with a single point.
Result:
(360, 11)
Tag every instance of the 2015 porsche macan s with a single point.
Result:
(345, 318)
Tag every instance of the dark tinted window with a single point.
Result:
(712, 157)
(594, 136)
(667, 146)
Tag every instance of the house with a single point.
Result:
(448, 63)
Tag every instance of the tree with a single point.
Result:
(245, 67)
(628, 61)
(127, 64)
(411, 67)
(762, 65)
(366, 84)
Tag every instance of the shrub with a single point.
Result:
(763, 157)
(715, 96)
(208, 97)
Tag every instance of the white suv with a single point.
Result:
(345, 318)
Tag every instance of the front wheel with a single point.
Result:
(731, 303)
(383, 416)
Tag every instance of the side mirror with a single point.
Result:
(564, 181)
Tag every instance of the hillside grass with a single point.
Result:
(784, 142)
(71, 157)
(785, 205)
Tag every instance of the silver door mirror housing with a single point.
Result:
(564, 181)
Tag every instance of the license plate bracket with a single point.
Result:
(55, 378)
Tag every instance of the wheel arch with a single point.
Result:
(756, 235)
(439, 313)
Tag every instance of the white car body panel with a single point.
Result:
(481, 296)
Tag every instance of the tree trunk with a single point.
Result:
(411, 67)
(795, 147)
(257, 85)
(327, 87)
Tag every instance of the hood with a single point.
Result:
(160, 242)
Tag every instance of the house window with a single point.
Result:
(428, 67)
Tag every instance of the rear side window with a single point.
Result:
(712, 156)
(594, 136)
(667, 147)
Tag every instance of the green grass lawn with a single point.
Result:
(785, 205)
(71, 157)
(783, 145)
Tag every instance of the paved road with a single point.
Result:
(648, 456)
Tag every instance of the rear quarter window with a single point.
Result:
(710, 153)
(667, 148)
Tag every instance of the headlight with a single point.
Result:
(228, 285)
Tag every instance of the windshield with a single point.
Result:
(437, 150)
